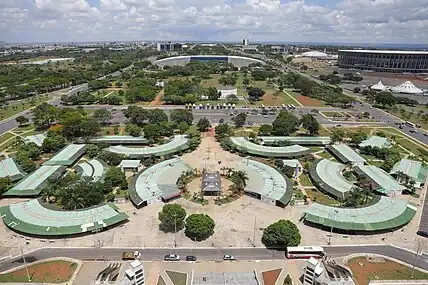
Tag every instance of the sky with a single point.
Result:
(350, 21)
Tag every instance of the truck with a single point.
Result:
(131, 255)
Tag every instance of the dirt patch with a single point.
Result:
(270, 277)
(158, 100)
(309, 102)
(396, 76)
(161, 281)
(270, 100)
(365, 270)
(48, 272)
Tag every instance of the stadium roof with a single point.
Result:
(267, 181)
(34, 183)
(345, 153)
(92, 168)
(178, 143)
(328, 176)
(387, 184)
(157, 181)
(412, 168)
(376, 141)
(297, 140)
(387, 213)
(314, 54)
(8, 168)
(407, 88)
(378, 86)
(67, 156)
(385, 51)
(120, 140)
(243, 145)
(33, 218)
(37, 139)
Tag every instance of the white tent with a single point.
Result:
(378, 86)
(407, 88)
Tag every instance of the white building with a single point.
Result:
(245, 42)
(136, 273)
(313, 269)
(226, 92)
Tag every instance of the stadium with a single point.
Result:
(393, 61)
(238, 61)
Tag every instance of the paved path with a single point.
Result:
(209, 254)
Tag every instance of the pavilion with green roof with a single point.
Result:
(384, 183)
(384, 215)
(116, 140)
(8, 168)
(376, 141)
(414, 169)
(346, 154)
(301, 140)
(67, 156)
(243, 145)
(34, 219)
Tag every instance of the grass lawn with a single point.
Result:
(331, 114)
(316, 148)
(363, 271)
(407, 144)
(15, 108)
(304, 180)
(24, 128)
(58, 271)
(325, 154)
(306, 101)
(320, 197)
(177, 278)
(412, 117)
(5, 137)
(323, 131)
(161, 281)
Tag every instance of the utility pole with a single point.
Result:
(175, 229)
(331, 228)
(25, 263)
(416, 259)
(254, 231)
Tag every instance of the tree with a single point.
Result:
(133, 130)
(136, 115)
(255, 93)
(239, 179)
(44, 115)
(76, 126)
(265, 130)
(199, 226)
(311, 124)
(157, 116)
(5, 184)
(21, 120)
(212, 93)
(110, 158)
(222, 131)
(92, 150)
(102, 116)
(281, 234)
(203, 124)
(240, 120)
(285, 124)
(26, 163)
(172, 218)
(385, 98)
(115, 178)
(337, 135)
(358, 137)
(154, 132)
(357, 90)
(178, 115)
(246, 81)
(53, 143)
(183, 127)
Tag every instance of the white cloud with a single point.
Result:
(399, 21)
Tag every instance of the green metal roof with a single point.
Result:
(67, 156)
(303, 140)
(412, 168)
(93, 168)
(387, 213)
(120, 140)
(157, 181)
(33, 218)
(243, 145)
(376, 141)
(34, 183)
(8, 168)
(328, 176)
(387, 184)
(37, 139)
(345, 153)
(267, 181)
(178, 143)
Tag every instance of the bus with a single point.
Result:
(293, 107)
(410, 124)
(305, 252)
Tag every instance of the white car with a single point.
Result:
(228, 257)
(172, 257)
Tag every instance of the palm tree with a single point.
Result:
(239, 179)
(354, 197)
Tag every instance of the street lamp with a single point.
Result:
(331, 229)
(175, 229)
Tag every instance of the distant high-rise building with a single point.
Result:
(169, 46)
(245, 42)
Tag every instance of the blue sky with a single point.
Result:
(353, 21)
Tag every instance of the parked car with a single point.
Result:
(228, 257)
(190, 258)
(172, 257)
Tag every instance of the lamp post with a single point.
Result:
(25, 263)
(331, 228)
(175, 230)
(416, 259)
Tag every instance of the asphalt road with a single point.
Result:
(207, 254)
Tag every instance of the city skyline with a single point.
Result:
(350, 21)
